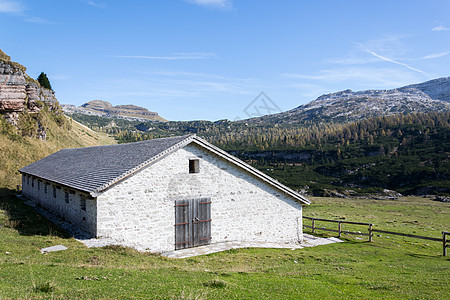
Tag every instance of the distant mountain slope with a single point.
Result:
(437, 89)
(105, 109)
(347, 105)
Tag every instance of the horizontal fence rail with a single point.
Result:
(371, 230)
(408, 235)
(339, 230)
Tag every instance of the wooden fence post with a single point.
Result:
(370, 232)
(444, 243)
(313, 225)
(339, 228)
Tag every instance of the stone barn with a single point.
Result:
(164, 194)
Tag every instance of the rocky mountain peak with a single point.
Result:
(105, 109)
(437, 89)
(97, 105)
(347, 105)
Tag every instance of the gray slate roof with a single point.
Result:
(93, 169)
(89, 169)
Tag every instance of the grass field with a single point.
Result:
(388, 268)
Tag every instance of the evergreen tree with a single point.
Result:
(43, 81)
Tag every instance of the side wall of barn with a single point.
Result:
(70, 205)
(139, 211)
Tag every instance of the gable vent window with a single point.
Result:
(66, 197)
(194, 166)
(54, 191)
(83, 204)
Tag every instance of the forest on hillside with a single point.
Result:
(408, 153)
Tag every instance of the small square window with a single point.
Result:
(194, 166)
(66, 197)
(83, 204)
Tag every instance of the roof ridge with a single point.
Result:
(188, 138)
(139, 142)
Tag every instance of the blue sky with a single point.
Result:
(209, 59)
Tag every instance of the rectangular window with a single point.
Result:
(45, 187)
(28, 179)
(39, 185)
(194, 166)
(66, 197)
(32, 182)
(54, 191)
(83, 204)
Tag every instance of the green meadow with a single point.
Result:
(390, 267)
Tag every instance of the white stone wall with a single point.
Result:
(71, 212)
(139, 211)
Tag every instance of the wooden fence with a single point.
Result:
(371, 230)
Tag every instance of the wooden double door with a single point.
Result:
(192, 223)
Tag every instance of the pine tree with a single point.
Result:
(43, 81)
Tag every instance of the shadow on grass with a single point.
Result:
(416, 255)
(25, 219)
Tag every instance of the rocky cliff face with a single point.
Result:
(347, 105)
(19, 92)
(105, 109)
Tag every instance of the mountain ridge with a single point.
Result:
(105, 109)
(437, 89)
(347, 105)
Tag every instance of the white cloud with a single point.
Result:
(171, 85)
(351, 61)
(175, 56)
(436, 55)
(97, 4)
(17, 8)
(396, 62)
(223, 4)
(10, 6)
(38, 20)
(364, 67)
(440, 28)
(391, 45)
(182, 74)
(360, 78)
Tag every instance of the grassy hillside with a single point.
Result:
(388, 268)
(18, 150)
